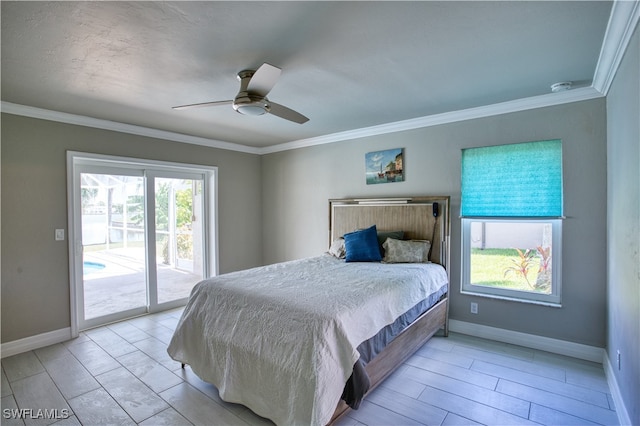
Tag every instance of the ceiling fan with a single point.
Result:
(252, 97)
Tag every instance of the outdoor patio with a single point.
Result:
(121, 284)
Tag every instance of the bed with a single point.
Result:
(302, 342)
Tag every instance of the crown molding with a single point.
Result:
(80, 120)
(550, 99)
(622, 22)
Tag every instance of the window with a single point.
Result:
(142, 234)
(511, 221)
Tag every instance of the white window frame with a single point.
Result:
(553, 299)
(76, 160)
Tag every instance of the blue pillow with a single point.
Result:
(362, 246)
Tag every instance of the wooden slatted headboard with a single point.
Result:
(412, 215)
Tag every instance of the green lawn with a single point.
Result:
(488, 268)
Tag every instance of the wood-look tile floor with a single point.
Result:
(121, 374)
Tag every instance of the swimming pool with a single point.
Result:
(89, 267)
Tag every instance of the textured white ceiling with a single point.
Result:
(346, 65)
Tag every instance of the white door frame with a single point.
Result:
(77, 161)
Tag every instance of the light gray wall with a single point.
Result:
(35, 277)
(297, 184)
(623, 233)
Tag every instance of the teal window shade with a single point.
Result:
(516, 180)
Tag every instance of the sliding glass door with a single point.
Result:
(140, 238)
(179, 232)
(114, 263)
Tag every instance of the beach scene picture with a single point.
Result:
(384, 166)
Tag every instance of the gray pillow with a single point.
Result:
(383, 235)
(413, 251)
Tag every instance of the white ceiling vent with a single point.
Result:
(561, 87)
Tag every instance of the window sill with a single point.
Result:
(512, 299)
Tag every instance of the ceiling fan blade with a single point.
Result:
(287, 113)
(204, 104)
(264, 79)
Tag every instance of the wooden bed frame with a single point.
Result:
(415, 217)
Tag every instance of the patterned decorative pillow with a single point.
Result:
(383, 235)
(413, 251)
(362, 246)
(337, 248)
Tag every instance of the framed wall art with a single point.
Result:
(384, 166)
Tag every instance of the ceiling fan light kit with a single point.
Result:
(252, 96)
(251, 105)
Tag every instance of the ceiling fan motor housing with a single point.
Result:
(248, 104)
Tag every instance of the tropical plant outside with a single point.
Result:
(184, 215)
(513, 269)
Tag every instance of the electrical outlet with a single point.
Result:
(474, 308)
(618, 359)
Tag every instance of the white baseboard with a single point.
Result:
(34, 342)
(561, 347)
(621, 409)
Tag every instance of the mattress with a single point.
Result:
(283, 339)
(358, 383)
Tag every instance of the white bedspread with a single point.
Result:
(282, 339)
